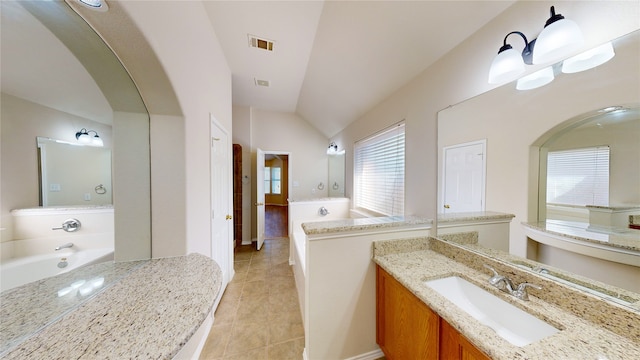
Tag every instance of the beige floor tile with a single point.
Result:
(286, 327)
(255, 354)
(216, 342)
(290, 350)
(247, 336)
(255, 289)
(258, 316)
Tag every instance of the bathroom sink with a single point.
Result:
(513, 324)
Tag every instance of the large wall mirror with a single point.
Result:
(597, 108)
(59, 79)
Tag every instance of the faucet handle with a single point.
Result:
(495, 273)
(497, 279)
(521, 291)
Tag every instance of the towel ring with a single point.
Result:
(100, 189)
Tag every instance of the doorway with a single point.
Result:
(273, 170)
(276, 195)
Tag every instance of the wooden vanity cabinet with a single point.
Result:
(406, 328)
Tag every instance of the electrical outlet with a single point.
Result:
(87, 197)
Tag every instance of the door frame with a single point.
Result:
(260, 170)
(213, 122)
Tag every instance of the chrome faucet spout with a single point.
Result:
(65, 246)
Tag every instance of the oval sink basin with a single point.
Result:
(513, 324)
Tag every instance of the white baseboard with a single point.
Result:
(372, 355)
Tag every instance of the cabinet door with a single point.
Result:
(455, 346)
(406, 327)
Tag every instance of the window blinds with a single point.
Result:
(578, 177)
(379, 172)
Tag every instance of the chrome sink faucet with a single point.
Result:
(67, 245)
(505, 284)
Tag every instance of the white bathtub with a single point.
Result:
(16, 272)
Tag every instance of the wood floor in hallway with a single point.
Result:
(258, 316)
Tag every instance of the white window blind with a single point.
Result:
(379, 172)
(578, 177)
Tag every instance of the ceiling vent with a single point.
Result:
(259, 43)
(264, 83)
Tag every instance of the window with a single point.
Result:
(578, 177)
(379, 172)
(272, 180)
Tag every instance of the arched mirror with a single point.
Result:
(63, 89)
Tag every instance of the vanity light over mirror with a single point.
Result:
(597, 108)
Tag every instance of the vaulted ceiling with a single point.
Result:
(332, 61)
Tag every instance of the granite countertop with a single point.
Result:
(473, 216)
(620, 238)
(360, 224)
(150, 310)
(590, 328)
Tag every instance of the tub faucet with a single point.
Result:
(65, 246)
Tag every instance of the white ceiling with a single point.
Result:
(334, 60)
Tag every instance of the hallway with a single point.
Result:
(258, 316)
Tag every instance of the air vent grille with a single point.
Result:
(260, 43)
(264, 83)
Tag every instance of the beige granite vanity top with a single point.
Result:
(149, 313)
(604, 331)
(473, 216)
(370, 223)
(621, 238)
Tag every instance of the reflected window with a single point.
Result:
(578, 177)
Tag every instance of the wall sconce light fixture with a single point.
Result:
(559, 37)
(84, 137)
(332, 149)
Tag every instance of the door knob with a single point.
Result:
(447, 206)
(259, 204)
(228, 217)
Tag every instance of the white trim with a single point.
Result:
(600, 251)
(371, 355)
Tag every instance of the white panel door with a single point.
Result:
(260, 198)
(464, 177)
(221, 200)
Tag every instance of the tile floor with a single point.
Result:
(258, 316)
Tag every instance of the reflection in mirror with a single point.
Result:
(591, 166)
(521, 128)
(73, 174)
(59, 77)
(336, 174)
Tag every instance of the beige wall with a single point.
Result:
(181, 35)
(462, 74)
(22, 122)
(284, 133)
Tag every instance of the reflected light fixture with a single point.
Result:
(99, 5)
(84, 137)
(332, 149)
(536, 80)
(589, 59)
(558, 38)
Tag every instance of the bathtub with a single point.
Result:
(19, 271)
